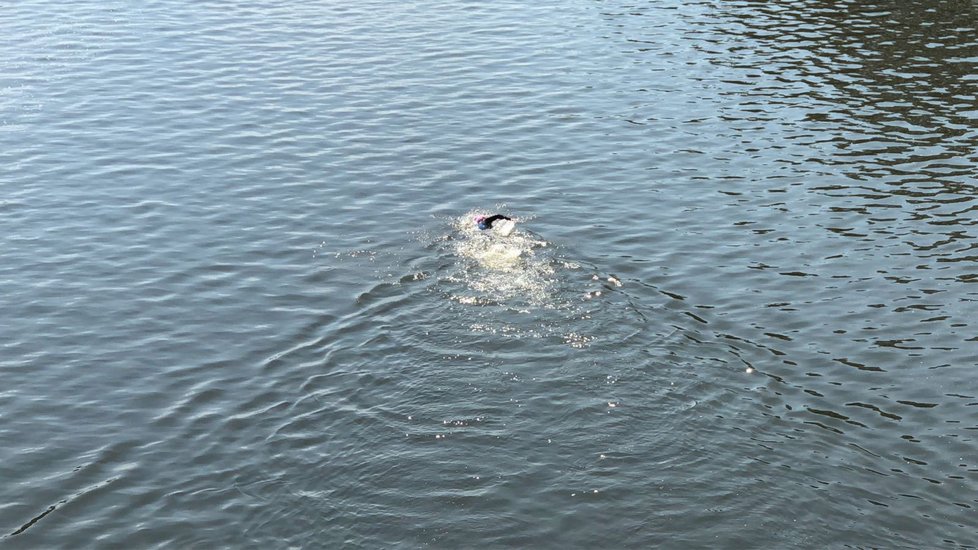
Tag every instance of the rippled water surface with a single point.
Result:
(243, 304)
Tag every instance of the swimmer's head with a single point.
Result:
(481, 222)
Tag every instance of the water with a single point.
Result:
(243, 307)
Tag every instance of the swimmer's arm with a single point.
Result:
(495, 218)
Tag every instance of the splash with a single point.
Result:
(519, 286)
(503, 269)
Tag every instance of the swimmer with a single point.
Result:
(504, 227)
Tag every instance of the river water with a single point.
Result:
(243, 304)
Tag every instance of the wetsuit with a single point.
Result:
(486, 223)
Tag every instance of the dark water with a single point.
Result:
(242, 307)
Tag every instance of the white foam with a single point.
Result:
(502, 267)
(504, 227)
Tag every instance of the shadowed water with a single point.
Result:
(244, 304)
